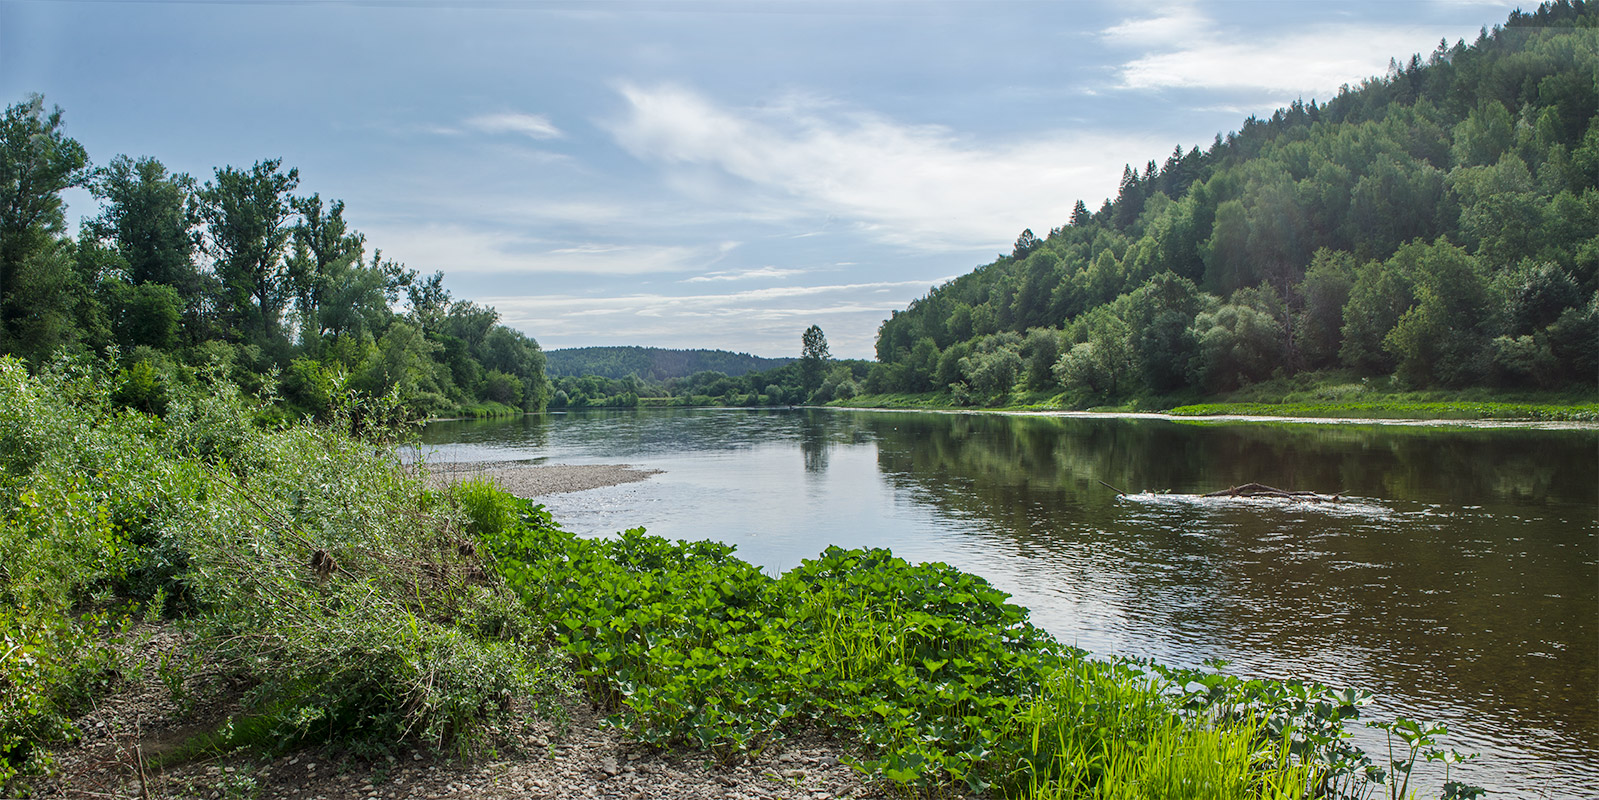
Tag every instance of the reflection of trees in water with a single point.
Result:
(814, 440)
(1461, 595)
(1451, 466)
(532, 431)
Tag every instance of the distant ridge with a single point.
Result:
(654, 363)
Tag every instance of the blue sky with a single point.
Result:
(687, 173)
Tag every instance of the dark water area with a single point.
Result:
(1459, 578)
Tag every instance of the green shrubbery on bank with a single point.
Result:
(1328, 394)
(348, 602)
(316, 575)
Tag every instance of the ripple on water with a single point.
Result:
(1348, 507)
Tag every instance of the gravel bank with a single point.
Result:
(534, 480)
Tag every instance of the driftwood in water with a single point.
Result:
(1262, 490)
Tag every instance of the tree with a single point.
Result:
(1160, 315)
(1322, 296)
(146, 216)
(1080, 215)
(1026, 243)
(326, 256)
(813, 357)
(1381, 293)
(38, 283)
(247, 219)
(1444, 337)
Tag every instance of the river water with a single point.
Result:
(1458, 579)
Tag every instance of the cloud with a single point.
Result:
(1184, 49)
(1176, 25)
(457, 249)
(745, 274)
(533, 126)
(922, 186)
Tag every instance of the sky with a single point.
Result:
(693, 173)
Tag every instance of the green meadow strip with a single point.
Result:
(1462, 410)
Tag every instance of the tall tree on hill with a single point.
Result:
(1080, 215)
(38, 281)
(247, 220)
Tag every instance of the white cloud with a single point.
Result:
(744, 275)
(533, 126)
(457, 249)
(1175, 25)
(922, 186)
(1305, 63)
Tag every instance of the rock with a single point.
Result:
(608, 765)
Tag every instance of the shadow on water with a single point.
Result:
(1459, 580)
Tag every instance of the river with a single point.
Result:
(1458, 579)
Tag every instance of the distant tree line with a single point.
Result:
(238, 273)
(815, 377)
(1439, 225)
(653, 363)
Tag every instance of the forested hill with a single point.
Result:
(1439, 225)
(653, 363)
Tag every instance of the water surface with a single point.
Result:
(1459, 579)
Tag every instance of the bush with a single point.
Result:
(315, 568)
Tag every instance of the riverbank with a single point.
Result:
(1388, 410)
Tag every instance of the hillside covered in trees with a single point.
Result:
(653, 363)
(238, 273)
(1438, 227)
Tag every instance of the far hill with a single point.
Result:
(653, 363)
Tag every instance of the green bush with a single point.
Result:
(50, 666)
(313, 566)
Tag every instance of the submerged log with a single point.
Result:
(1262, 490)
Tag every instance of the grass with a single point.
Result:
(1399, 409)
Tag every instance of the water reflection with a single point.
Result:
(1460, 580)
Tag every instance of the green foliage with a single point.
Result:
(38, 279)
(313, 567)
(1346, 210)
(285, 285)
(943, 682)
(1398, 409)
(50, 667)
